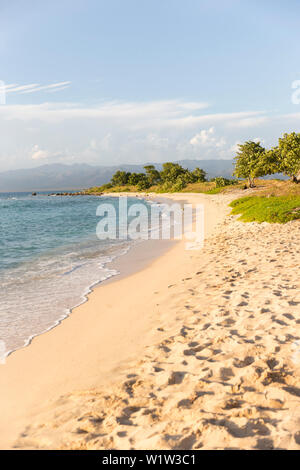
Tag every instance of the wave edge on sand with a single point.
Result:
(222, 369)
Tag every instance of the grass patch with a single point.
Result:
(272, 209)
(216, 190)
(191, 187)
(209, 187)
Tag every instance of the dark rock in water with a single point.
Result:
(77, 193)
(33, 194)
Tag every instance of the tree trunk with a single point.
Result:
(296, 178)
(251, 182)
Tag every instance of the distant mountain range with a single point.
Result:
(80, 176)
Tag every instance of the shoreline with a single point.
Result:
(196, 350)
(43, 375)
(121, 264)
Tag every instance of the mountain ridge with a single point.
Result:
(76, 176)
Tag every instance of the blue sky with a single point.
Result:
(115, 81)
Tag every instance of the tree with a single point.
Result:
(143, 183)
(269, 162)
(288, 155)
(179, 185)
(171, 171)
(135, 178)
(248, 161)
(199, 175)
(152, 174)
(120, 178)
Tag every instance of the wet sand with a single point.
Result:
(198, 349)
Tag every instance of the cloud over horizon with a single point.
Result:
(113, 132)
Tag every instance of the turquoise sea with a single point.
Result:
(50, 257)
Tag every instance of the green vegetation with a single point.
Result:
(172, 178)
(252, 160)
(247, 161)
(272, 209)
(215, 190)
(275, 201)
(222, 182)
(288, 155)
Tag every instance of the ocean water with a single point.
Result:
(50, 258)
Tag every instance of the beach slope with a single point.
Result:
(198, 350)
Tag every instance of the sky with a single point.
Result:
(106, 82)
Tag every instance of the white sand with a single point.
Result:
(198, 350)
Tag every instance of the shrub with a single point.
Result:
(221, 182)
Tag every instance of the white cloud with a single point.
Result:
(99, 145)
(113, 132)
(54, 86)
(154, 141)
(235, 147)
(259, 140)
(38, 154)
(236, 119)
(248, 122)
(159, 111)
(22, 88)
(7, 87)
(134, 115)
(34, 87)
(203, 137)
(206, 138)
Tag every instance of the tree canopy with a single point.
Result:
(248, 161)
(252, 160)
(120, 178)
(172, 177)
(288, 154)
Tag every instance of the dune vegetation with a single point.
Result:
(272, 209)
(274, 201)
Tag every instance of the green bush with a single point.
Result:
(221, 182)
(106, 186)
(179, 185)
(143, 184)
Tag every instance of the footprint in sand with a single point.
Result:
(226, 373)
(244, 362)
(297, 438)
(176, 378)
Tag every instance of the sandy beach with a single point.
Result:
(193, 350)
